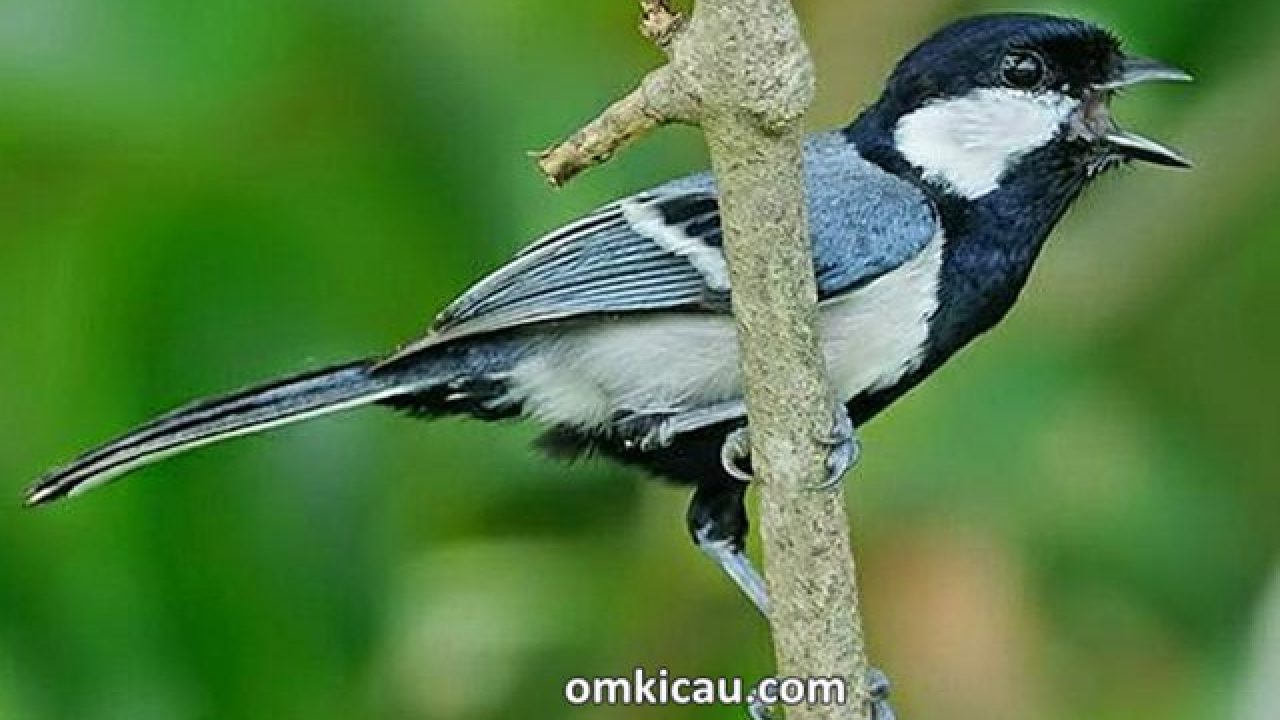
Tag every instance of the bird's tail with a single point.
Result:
(209, 421)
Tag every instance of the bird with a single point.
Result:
(927, 214)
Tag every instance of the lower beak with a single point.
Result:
(1135, 70)
(1137, 147)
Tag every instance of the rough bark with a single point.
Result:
(740, 69)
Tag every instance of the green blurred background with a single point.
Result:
(1077, 518)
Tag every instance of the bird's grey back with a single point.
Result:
(863, 221)
(660, 250)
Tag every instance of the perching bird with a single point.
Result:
(927, 214)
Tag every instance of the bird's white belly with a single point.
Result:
(676, 362)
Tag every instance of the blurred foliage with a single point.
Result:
(1075, 519)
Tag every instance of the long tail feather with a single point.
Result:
(209, 421)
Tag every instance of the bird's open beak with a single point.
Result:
(1137, 71)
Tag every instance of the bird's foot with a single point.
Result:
(736, 448)
(878, 689)
(843, 449)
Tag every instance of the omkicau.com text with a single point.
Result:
(663, 688)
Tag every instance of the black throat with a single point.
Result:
(990, 244)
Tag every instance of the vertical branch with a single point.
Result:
(755, 95)
(740, 69)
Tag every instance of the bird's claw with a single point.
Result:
(842, 445)
(843, 450)
(878, 690)
(736, 447)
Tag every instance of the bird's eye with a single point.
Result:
(1023, 69)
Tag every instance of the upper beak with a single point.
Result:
(1136, 71)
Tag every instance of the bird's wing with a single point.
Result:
(658, 250)
(662, 250)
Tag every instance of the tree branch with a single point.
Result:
(740, 69)
(655, 102)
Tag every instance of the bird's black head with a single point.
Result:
(985, 95)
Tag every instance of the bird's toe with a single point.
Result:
(843, 449)
(736, 448)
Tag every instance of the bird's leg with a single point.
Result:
(718, 522)
(879, 688)
(843, 450)
(741, 571)
(758, 710)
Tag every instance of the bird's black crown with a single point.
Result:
(974, 52)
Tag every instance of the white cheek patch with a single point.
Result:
(966, 144)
